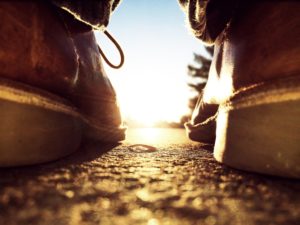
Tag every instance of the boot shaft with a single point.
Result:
(260, 44)
(35, 48)
(263, 42)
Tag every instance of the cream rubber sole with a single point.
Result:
(37, 127)
(259, 129)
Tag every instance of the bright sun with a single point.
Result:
(146, 98)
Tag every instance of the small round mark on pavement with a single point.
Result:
(142, 148)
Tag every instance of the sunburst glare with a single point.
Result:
(151, 86)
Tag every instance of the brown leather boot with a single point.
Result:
(255, 78)
(53, 89)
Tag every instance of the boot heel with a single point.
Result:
(259, 130)
(35, 126)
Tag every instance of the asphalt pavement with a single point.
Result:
(157, 176)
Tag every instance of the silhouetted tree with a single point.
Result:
(198, 72)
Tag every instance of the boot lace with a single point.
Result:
(122, 57)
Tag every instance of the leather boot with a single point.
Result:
(255, 78)
(53, 89)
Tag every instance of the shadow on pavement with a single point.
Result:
(89, 150)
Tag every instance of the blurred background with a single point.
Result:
(165, 66)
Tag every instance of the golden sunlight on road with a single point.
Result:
(157, 136)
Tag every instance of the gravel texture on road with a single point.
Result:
(179, 182)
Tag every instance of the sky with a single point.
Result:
(152, 85)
